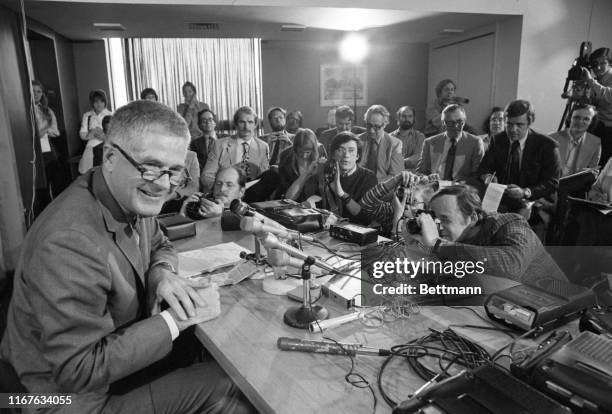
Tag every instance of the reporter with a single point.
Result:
(229, 185)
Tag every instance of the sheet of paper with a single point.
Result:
(493, 197)
(208, 259)
(445, 183)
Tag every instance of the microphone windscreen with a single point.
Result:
(248, 224)
(230, 221)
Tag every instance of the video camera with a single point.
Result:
(575, 73)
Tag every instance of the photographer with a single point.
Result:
(505, 242)
(386, 202)
(229, 186)
(601, 96)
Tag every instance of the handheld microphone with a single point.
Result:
(277, 257)
(325, 347)
(270, 241)
(252, 225)
(244, 210)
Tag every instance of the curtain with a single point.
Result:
(226, 72)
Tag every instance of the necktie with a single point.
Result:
(372, 156)
(276, 144)
(245, 158)
(450, 160)
(514, 164)
(211, 142)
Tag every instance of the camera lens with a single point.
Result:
(413, 226)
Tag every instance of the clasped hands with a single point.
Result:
(191, 301)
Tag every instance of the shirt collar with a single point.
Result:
(574, 140)
(351, 172)
(456, 139)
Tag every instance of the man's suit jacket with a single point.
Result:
(589, 150)
(328, 136)
(468, 155)
(78, 317)
(200, 147)
(540, 163)
(390, 159)
(221, 157)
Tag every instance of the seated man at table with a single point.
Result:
(453, 154)
(94, 270)
(504, 242)
(344, 118)
(340, 183)
(229, 185)
(528, 162)
(243, 150)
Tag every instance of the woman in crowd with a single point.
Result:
(190, 107)
(301, 160)
(149, 94)
(297, 163)
(91, 127)
(46, 123)
(493, 125)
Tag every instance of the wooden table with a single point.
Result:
(243, 340)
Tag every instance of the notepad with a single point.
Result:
(209, 259)
(493, 196)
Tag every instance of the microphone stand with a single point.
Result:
(256, 257)
(302, 316)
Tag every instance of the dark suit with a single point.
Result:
(78, 320)
(540, 163)
(200, 147)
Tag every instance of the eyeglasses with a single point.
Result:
(374, 127)
(152, 173)
(455, 124)
(207, 121)
(342, 150)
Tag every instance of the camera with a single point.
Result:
(330, 172)
(582, 61)
(412, 224)
(192, 209)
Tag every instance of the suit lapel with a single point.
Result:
(526, 159)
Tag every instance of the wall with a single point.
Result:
(91, 70)
(551, 35)
(291, 77)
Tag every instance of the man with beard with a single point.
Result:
(344, 118)
(294, 121)
(453, 154)
(412, 140)
(279, 139)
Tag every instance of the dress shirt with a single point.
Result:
(412, 145)
(447, 146)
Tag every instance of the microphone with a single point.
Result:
(244, 210)
(277, 257)
(251, 225)
(325, 347)
(270, 241)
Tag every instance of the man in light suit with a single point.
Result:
(84, 318)
(243, 150)
(578, 148)
(454, 154)
(382, 153)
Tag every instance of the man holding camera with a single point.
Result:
(230, 184)
(601, 96)
(505, 242)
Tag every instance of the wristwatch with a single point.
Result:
(345, 198)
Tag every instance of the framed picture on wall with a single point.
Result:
(341, 84)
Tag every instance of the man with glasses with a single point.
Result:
(454, 154)
(601, 96)
(207, 122)
(243, 150)
(528, 162)
(94, 271)
(382, 153)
